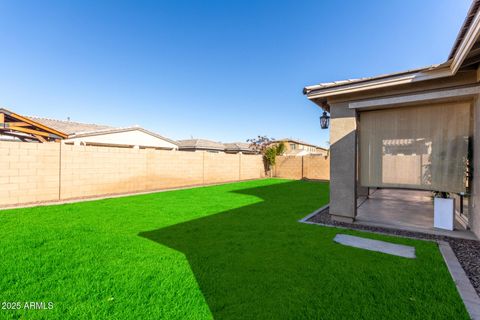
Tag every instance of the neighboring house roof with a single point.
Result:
(298, 142)
(238, 147)
(465, 52)
(111, 130)
(69, 127)
(42, 129)
(79, 130)
(203, 144)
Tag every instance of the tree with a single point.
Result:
(268, 149)
(260, 143)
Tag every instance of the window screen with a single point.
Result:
(420, 147)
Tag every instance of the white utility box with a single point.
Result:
(444, 213)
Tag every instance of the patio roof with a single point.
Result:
(26, 129)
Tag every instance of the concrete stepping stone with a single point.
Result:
(376, 245)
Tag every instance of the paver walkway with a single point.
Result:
(376, 245)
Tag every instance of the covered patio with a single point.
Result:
(405, 210)
(413, 130)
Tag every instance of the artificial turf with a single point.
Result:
(233, 251)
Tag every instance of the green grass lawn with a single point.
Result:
(233, 251)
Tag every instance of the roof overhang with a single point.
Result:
(429, 73)
(424, 97)
(464, 43)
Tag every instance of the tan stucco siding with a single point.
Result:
(343, 152)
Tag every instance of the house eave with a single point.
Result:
(462, 47)
(313, 93)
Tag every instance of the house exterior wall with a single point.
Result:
(134, 138)
(343, 153)
(344, 186)
(474, 210)
(40, 172)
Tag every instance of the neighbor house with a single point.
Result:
(412, 130)
(37, 129)
(294, 147)
(201, 145)
(239, 147)
(214, 146)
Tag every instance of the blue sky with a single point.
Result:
(221, 70)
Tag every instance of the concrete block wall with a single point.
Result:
(316, 167)
(90, 171)
(251, 167)
(170, 169)
(29, 172)
(215, 169)
(288, 167)
(306, 167)
(34, 172)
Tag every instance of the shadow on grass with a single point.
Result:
(239, 257)
(258, 262)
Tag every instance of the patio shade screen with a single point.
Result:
(420, 147)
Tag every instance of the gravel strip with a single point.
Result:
(467, 251)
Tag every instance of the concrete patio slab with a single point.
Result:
(376, 245)
(404, 210)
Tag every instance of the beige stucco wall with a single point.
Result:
(34, 172)
(306, 167)
(474, 218)
(343, 154)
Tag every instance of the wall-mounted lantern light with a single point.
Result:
(325, 120)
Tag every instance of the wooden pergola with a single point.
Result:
(25, 129)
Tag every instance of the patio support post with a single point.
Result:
(474, 204)
(343, 156)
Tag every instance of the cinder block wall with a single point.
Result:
(167, 169)
(288, 167)
(29, 172)
(251, 167)
(90, 171)
(221, 167)
(316, 167)
(34, 172)
(306, 167)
